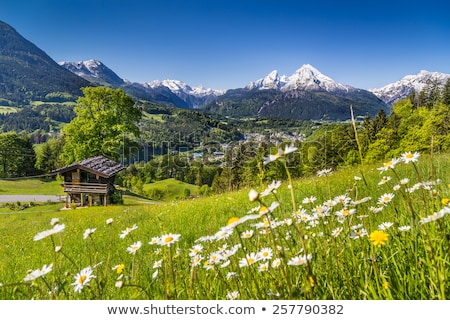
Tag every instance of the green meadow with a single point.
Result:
(34, 186)
(360, 232)
(170, 189)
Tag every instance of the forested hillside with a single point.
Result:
(28, 74)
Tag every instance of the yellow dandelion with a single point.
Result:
(120, 268)
(379, 237)
(386, 285)
(445, 201)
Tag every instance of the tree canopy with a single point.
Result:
(104, 118)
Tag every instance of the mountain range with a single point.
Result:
(306, 94)
(27, 73)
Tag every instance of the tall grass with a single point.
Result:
(358, 233)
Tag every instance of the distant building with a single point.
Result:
(219, 155)
(90, 181)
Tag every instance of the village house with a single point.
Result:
(90, 181)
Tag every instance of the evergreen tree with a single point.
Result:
(431, 94)
(446, 93)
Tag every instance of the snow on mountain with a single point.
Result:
(271, 81)
(196, 97)
(179, 87)
(94, 71)
(402, 88)
(305, 78)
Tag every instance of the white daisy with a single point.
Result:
(263, 267)
(88, 232)
(336, 232)
(404, 228)
(359, 234)
(33, 275)
(233, 295)
(385, 225)
(157, 264)
(404, 181)
(169, 239)
(82, 279)
(276, 263)
(384, 180)
(195, 250)
(247, 234)
(127, 231)
(253, 195)
(195, 261)
(56, 229)
(324, 172)
(389, 165)
(309, 200)
(231, 275)
(155, 240)
(385, 199)
(265, 254)
(249, 259)
(132, 249)
(223, 233)
(299, 260)
(433, 217)
(410, 157)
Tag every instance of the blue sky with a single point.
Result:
(226, 44)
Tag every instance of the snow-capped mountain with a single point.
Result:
(306, 94)
(167, 92)
(196, 96)
(94, 71)
(402, 88)
(305, 78)
(271, 81)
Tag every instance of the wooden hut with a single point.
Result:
(90, 181)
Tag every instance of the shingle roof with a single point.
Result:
(98, 165)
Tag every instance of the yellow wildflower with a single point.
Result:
(379, 237)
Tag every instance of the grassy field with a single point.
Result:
(31, 186)
(368, 232)
(170, 189)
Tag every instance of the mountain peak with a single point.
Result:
(181, 88)
(398, 90)
(94, 71)
(306, 77)
(271, 81)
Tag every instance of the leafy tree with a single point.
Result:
(17, 157)
(48, 155)
(103, 117)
